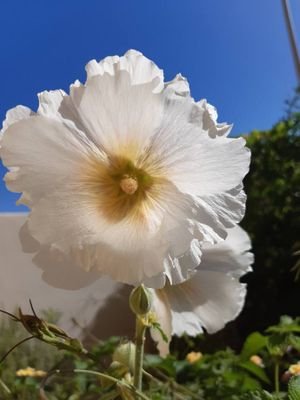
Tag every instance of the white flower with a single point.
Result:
(126, 173)
(212, 297)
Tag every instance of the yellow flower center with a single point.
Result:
(120, 188)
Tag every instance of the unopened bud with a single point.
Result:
(125, 354)
(140, 300)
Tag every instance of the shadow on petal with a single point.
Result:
(59, 270)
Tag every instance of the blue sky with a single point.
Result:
(234, 53)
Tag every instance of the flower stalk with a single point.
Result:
(139, 353)
(140, 302)
(276, 378)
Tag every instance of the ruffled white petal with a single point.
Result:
(113, 117)
(14, 115)
(205, 116)
(200, 224)
(116, 114)
(190, 223)
(59, 153)
(125, 251)
(50, 102)
(196, 163)
(177, 269)
(140, 68)
(209, 299)
(213, 295)
(58, 105)
(227, 208)
(179, 86)
(230, 256)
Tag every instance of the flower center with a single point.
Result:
(120, 188)
(129, 184)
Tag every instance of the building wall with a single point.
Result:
(44, 280)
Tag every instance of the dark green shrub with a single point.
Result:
(273, 222)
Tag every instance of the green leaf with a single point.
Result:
(253, 344)
(286, 325)
(156, 325)
(258, 395)
(152, 360)
(295, 341)
(294, 388)
(249, 384)
(277, 344)
(169, 365)
(255, 370)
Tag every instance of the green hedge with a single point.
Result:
(273, 220)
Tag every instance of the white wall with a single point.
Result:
(21, 279)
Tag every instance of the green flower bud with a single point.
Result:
(140, 300)
(125, 354)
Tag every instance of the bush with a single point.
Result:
(272, 220)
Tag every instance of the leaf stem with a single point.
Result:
(15, 346)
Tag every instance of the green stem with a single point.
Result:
(5, 388)
(139, 353)
(100, 374)
(276, 378)
(112, 379)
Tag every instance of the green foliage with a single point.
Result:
(229, 376)
(283, 335)
(224, 375)
(253, 344)
(272, 220)
(294, 388)
(258, 395)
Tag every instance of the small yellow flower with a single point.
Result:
(193, 357)
(294, 369)
(32, 372)
(257, 361)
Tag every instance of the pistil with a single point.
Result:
(129, 184)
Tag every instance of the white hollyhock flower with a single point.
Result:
(126, 173)
(212, 297)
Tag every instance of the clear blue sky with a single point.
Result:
(235, 53)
